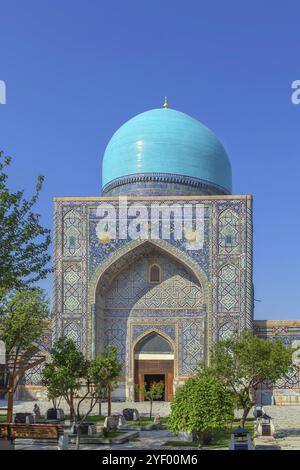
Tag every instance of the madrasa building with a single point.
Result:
(161, 264)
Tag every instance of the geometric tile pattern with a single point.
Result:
(131, 296)
(72, 331)
(72, 289)
(115, 333)
(226, 331)
(72, 234)
(33, 376)
(290, 380)
(228, 288)
(192, 337)
(132, 288)
(199, 313)
(289, 333)
(45, 341)
(99, 251)
(228, 232)
(138, 330)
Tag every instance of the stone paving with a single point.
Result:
(287, 425)
(161, 408)
(146, 440)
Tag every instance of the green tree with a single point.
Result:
(23, 317)
(100, 375)
(78, 380)
(242, 364)
(201, 405)
(97, 379)
(155, 392)
(23, 240)
(64, 374)
(110, 371)
(92, 384)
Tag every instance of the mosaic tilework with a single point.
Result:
(154, 313)
(229, 232)
(231, 264)
(178, 288)
(115, 333)
(72, 289)
(72, 234)
(72, 331)
(289, 333)
(228, 289)
(160, 184)
(98, 250)
(70, 268)
(226, 331)
(131, 296)
(289, 381)
(191, 346)
(138, 330)
(246, 262)
(33, 376)
(45, 341)
(197, 293)
(224, 266)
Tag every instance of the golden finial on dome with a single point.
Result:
(166, 103)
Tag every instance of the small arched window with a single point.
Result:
(154, 277)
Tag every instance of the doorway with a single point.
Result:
(153, 362)
(147, 371)
(150, 379)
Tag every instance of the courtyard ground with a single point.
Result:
(286, 421)
(161, 408)
(287, 425)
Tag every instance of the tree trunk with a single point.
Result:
(109, 400)
(10, 398)
(200, 439)
(77, 438)
(151, 404)
(100, 407)
(244, 416)
(72, 411)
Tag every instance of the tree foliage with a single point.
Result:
(23, 240)
(78, 380)
(63, 375)
(23, 316)
(243, 363)
(111, 367)
(201, 405)
(108, 365)
(155, 392)
(104, 370)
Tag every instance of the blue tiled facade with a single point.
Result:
(212, 286)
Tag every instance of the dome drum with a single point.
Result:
(161, 185)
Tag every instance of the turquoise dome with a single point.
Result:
(168, 142)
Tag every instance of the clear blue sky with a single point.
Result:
(76, 70)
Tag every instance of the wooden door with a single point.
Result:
(160, 367)
(169, 386)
